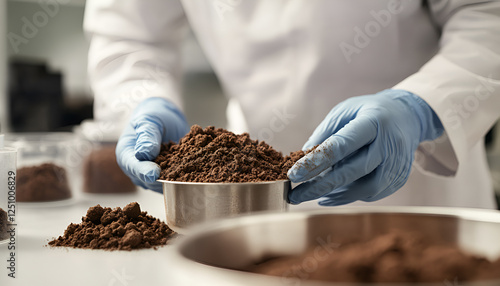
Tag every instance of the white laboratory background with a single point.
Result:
(61, 45)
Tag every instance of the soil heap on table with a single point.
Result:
(393, 257)
(116, 229)
(42, 183)
(3, 224)
(219, 156)
(101, 173)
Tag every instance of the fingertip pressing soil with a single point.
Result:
(116, 229)
(42, 183)
(216, 155)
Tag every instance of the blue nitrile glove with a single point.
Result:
(367, 148)
(155, 120)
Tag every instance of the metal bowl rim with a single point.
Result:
(221, 183)
(483, 215)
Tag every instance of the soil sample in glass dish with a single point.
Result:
(3, 225)
(396, 257)
(116, 229)
(218, 156)
(101, 173)
(42, 183)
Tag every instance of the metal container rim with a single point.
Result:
(222, 183)
(483, 215)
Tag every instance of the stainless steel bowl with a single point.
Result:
(217, 251)
(188, 204)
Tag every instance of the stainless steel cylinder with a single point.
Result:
(217, 251)
(188, 203)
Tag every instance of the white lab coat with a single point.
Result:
(284, 64)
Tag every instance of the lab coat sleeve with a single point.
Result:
(461, 82)
(134, 54)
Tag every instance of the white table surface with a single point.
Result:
(38, 264)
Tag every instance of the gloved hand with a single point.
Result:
(155, 120)
(367, 146)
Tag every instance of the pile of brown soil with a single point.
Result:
(3, 224)
(101, 173)
(116, 229)
(220, 156)
(394, 257)
(42, 183)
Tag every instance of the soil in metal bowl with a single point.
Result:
(220, 156)
(393, 257)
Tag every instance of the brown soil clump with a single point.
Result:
(116, 229)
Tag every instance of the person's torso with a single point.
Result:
(289, 62)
